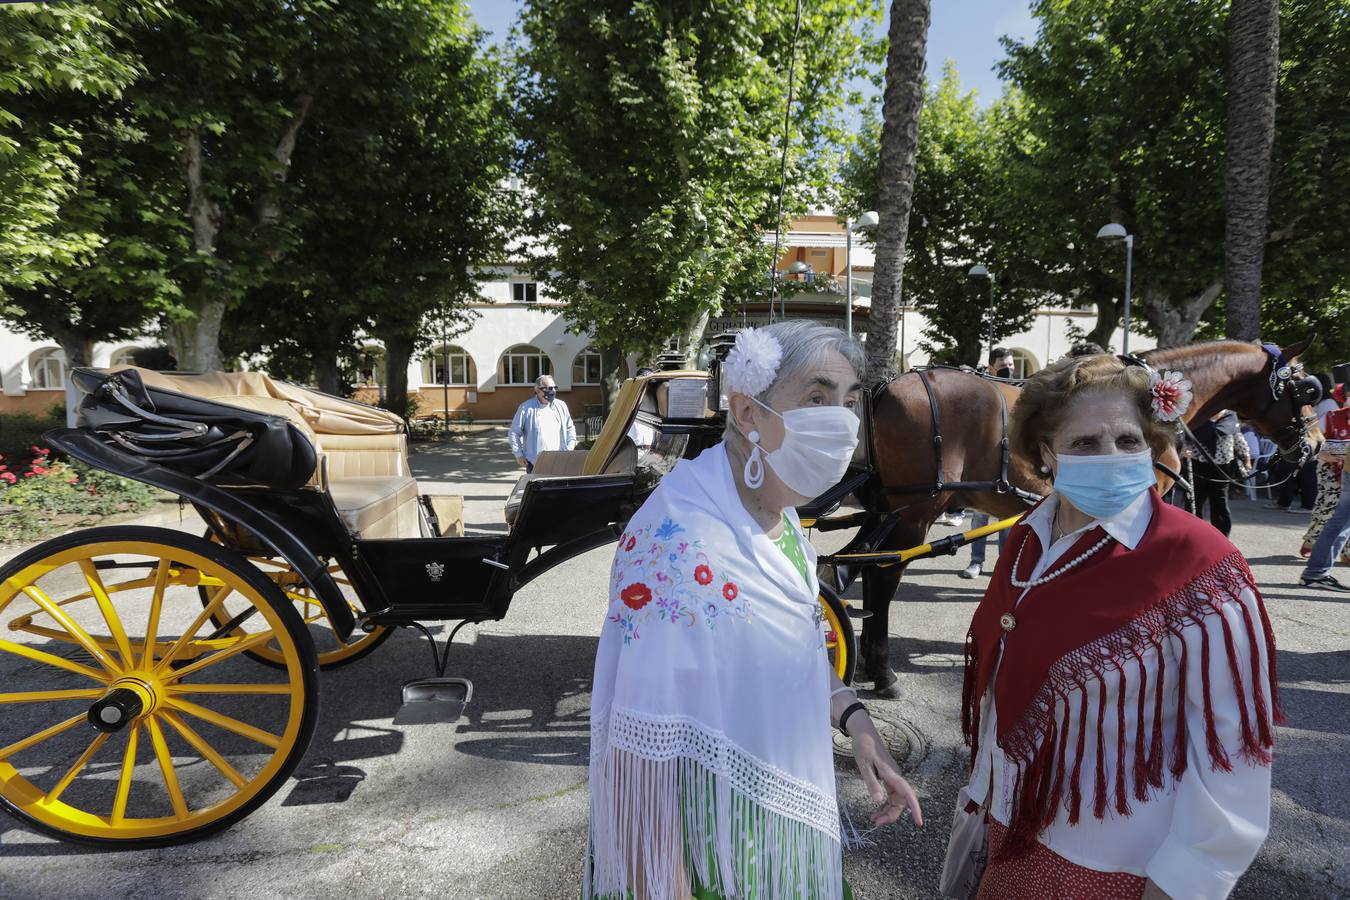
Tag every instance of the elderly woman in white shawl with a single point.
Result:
(711, 772)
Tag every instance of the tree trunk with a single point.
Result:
(901, 104)
(397, 353)
(1175, 322)
(693, 337)
(615, 369)
(1253, 64)
(1108, 320)
(78, 349)
(196, 339)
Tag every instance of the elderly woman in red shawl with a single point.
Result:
(1120, 691)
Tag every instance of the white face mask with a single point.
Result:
(818, 443)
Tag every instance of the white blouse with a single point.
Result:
(1196, 835)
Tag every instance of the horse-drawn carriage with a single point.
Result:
(157, 686)
(160, 686)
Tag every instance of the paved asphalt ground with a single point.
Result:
(495, 806)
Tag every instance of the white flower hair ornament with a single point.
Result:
(1171, 395)
(751, 365)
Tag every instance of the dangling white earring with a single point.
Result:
(754, 466)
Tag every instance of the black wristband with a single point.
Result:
(848, 711)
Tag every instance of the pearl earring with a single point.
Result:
(754, 466)
(1045, 470)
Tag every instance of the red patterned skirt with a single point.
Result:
(1045, 875)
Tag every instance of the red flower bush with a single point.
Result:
(703, 575)
(636, 595)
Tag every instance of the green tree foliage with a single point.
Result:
(82, 246)
(651, 135)
(397, 194)
(1125, 110)
(966, 211)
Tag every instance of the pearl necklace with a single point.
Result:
(1017, 564)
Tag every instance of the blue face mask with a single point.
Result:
(1102, 486)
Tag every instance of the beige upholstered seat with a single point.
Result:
(363, 451)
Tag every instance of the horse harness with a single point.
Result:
(1000, 485)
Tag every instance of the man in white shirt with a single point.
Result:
(541, 423)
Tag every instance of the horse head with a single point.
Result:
(1278, 401)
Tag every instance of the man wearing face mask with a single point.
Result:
(542, 422)
(1120, 698)
(711, 768)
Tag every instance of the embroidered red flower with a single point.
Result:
(729, 590)
(636, 595)
(703, 575)
(632, 542)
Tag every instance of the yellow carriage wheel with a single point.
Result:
(333, 652)
(840, 642)
(127, 716)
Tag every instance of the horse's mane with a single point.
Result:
(1198, 356)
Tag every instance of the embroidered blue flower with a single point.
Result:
(668, 530)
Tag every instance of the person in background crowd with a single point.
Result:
(1001, 363)
(541, 423)
(1328, 472)
(1119, 701)
(1331, 542)
(1290, 480)
(1220, 457)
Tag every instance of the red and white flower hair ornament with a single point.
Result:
(1171, 395)
(753, 362)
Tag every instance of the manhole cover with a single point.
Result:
(906, 742)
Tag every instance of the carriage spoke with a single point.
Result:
(206, 750)
(276, 688)
(52, 659)
(239, 646)
(78, 767)
(180, 808)
(44, 696)
(220, 720)
(72, 628)
(110, 616)
(119, 809)
(156, 606)
(35, 739)
(191, 631)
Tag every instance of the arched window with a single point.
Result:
(448, 364)
(49, 369)
(370, 366)
(522, 364)
(126, 356)
(1024, 363)
(586, 368)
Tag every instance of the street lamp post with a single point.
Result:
(866, 220)
(979, 271)
(1116, 232)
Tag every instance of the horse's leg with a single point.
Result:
(879, 589)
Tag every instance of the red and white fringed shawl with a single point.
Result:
(1101, 616)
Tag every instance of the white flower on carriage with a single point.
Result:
(1172, 394)
(753, 362)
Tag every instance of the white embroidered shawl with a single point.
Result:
(710, 729)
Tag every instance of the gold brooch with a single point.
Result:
(1007, 621)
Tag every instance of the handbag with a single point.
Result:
(967, 850)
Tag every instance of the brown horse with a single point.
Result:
(1225, 375)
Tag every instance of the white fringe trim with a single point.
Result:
(665, 791)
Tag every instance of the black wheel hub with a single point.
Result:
(115, 709)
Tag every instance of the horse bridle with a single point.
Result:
(1288, 379)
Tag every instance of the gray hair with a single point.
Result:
(539, 382)
(805, 344)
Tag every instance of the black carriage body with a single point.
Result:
(256, 507)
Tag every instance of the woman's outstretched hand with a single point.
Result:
(888, 788)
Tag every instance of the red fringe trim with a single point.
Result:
(1037, 743)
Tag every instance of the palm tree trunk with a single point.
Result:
(1253, 63)
(901, 103)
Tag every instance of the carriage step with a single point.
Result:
(857, 612)
(430, 700)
